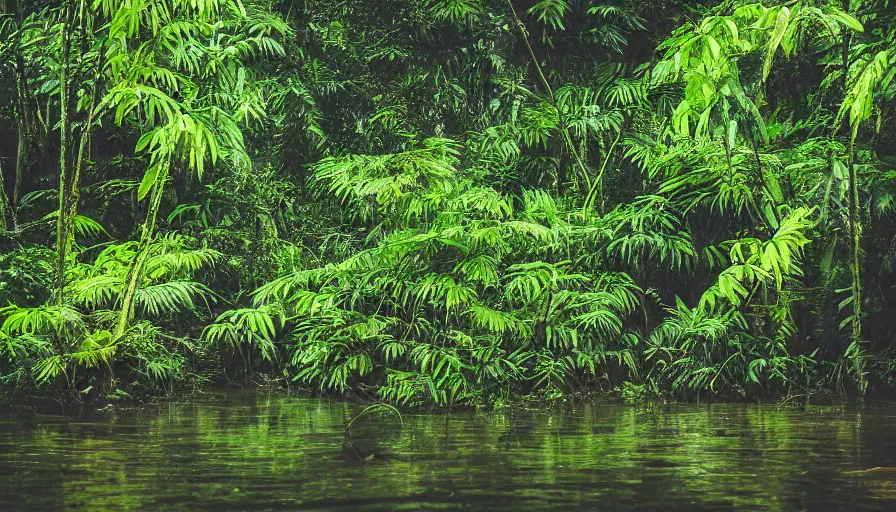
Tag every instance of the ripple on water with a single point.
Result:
(267, 451)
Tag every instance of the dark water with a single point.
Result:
(248, 451)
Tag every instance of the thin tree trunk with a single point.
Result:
(146, 234)
(62, 220)
(855, 228)
(598, 186)
(23, 151)
(84, 140)
(566, 137)
(22, 155)
(4, 200)
(855, 231)
(70, 171)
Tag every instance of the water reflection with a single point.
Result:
(265, 451)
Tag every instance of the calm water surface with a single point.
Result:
(265, 451)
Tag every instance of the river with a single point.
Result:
(263, 450)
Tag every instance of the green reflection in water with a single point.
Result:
(272, 452)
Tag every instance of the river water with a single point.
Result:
(241, 450)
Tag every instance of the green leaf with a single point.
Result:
(844, 18)
(149, 179)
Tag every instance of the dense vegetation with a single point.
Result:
(448, 201)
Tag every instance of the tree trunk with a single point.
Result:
(70, 171)
(62, 242)
(146, 234)
(22, 156)
(23, 146)
(4, 200)
(855, 228)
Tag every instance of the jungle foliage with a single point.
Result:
(449, 201)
